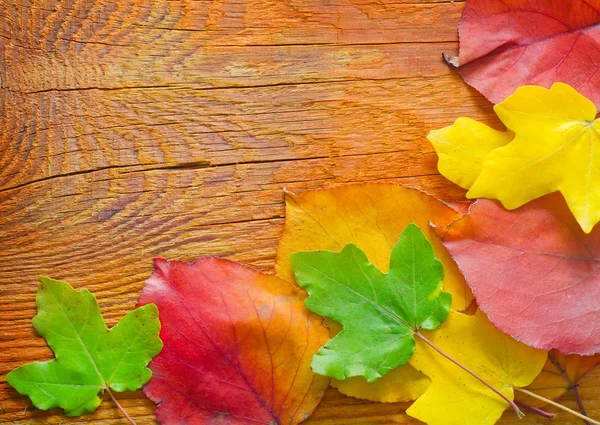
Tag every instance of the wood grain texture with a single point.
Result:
(132, 129)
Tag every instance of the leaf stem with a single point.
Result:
(511, 403)
(131, 421)
(575, 389)
(536, 410)
(555, 404)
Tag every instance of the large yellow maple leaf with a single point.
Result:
(556, 147)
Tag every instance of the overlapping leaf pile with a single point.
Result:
(552, 143)
(534, 270)
(330, 219)
(371, 216)
(239, 345)
(385, 266)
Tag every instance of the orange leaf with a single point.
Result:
(562, 373)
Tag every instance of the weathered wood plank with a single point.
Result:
(136, 129)
(81, 131)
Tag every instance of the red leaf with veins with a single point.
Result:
(237, 346)
(510, 43)
(533, 271)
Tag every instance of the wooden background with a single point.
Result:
(131, 129)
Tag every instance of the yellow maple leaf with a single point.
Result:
(404, 383)
(463, 146)
(372, 216)
(456, 397)
(556, 147)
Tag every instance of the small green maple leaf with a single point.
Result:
(89, 358)
(379, 312)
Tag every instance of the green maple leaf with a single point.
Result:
(379, 312)
(89, 358)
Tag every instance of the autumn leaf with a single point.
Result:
(512, 43)
(379, 312)
(383, 314)
(561, 374)
(238, 345)
(556, 148)
(372, 216)
(533, 271)
(463, 146)
(456, 397)
(404, 383)
(90, 359)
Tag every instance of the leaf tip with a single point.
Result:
(159, 261)
(45, 282)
